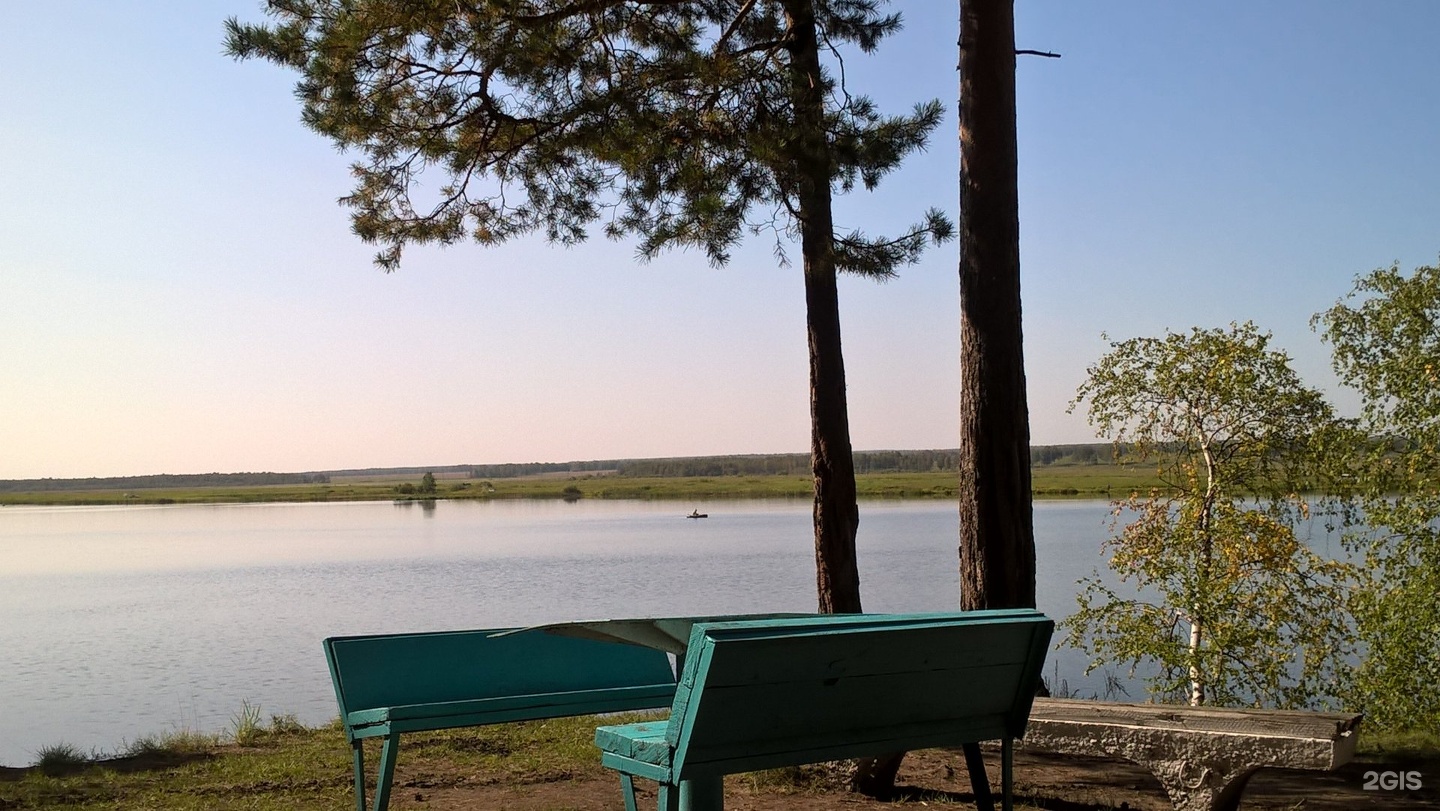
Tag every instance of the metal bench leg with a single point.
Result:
(979, 781)
(386, 776)
(358, 747)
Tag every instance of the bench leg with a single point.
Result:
(1007, 774)
(706, 794)
(979, 781)
(385, 778)
(358, 748)
(627, 787)
(1202, 787)
(669, 797)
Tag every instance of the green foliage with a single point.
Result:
(1386, 345)
(427, 484)
(678, 123)
(1231, 607)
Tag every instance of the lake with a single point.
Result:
(117, 622)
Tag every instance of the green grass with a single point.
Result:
(1048, 481)
(284, 766)
(1400, 746)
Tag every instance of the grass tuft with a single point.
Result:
(61, 759)
(245, 725)
(286, 724)
(170, 744)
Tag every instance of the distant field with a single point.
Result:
(1048, 481)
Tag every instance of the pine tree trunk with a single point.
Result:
(997, 540)
(837, 516)
(997, 537)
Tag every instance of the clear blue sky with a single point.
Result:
(179, 291)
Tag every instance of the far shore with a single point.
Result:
(1078, 481)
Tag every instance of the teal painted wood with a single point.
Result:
(767, 693)
(427, 668)
(512, 708)
(391, 684)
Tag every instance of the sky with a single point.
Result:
(181, 293)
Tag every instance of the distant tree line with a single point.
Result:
(798, 464)
(774, 464)
(162, 480)
(511, 470)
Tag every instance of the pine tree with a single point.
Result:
(680, 123)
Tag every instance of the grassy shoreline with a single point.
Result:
(1048, 482)
(285, 765)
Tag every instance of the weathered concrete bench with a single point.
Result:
(762, 694)
(1203, 756)
(397, 683)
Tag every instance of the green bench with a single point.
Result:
(763, 694)
(397, 683)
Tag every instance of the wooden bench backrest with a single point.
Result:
(768, 693)
(371, 672)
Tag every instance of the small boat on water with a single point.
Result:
(698, 514)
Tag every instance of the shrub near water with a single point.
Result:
(60, 758)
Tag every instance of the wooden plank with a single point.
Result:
(581, 702)
(867, 652)
(643, 741)
(405, 669)
(639, 768)
(1279, 723)
(847, 703)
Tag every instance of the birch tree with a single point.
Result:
(1230, 606)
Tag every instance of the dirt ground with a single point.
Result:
(938, 777)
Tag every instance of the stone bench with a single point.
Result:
(1203, 756)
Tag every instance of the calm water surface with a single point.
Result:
(116, 622)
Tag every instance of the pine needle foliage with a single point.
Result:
(671, 122)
